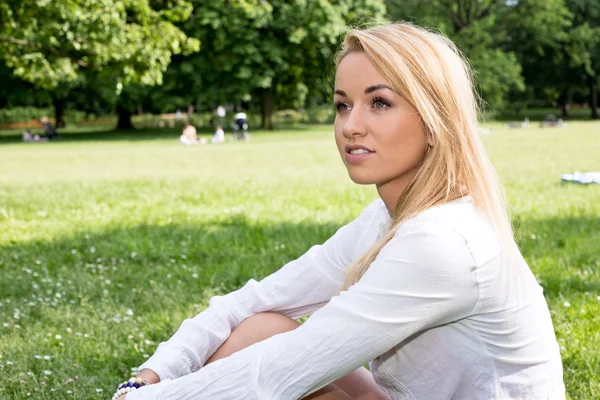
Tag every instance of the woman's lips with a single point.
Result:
(355, 154)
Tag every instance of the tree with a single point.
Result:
(584, 46)
(274, 52)
(493, 34)
(55, 44)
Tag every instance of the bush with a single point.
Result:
(23, 114)
(26, 114)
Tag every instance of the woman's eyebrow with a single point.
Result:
(373, 88)
(368, 90)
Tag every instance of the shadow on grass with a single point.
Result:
(222, 254)
(564, 253)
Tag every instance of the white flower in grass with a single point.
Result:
(92, 250)
(47, 372)
(567, 304)
(38, 357)
(98, 390)
(598, 298)
(47, 358)
(69, 391)
(9, 363)
(194, 275)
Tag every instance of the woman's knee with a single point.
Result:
(252, 330)
(267, 324)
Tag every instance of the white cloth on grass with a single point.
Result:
(584, 178)
(435, 311)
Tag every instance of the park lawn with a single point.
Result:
(107, 245)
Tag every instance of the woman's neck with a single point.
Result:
(391, 191)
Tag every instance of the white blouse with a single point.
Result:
(434, 315)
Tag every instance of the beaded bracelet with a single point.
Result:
(128, 386)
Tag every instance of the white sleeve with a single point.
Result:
(297, 289)
(424, 277)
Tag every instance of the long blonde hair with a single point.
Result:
(429, 72)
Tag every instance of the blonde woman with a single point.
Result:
(426, 285)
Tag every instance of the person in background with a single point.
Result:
(219, 136)
(49, 130)
(240, 126)
(28, 136)
(190, 136)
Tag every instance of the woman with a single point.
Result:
(427, 284)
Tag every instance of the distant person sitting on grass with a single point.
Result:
(28, 136)
(49, 130)
(219, 136)
(427, 285)
(189, 135)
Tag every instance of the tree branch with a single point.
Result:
(456, 21)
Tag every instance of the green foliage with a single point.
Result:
(488, 33)
(52, 43)
(22, 114)
(264, 51)
(104, 259)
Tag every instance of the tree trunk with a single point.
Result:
(563, 101)
(267, 107)
(593, 96)
(59, 112)
(124, 117)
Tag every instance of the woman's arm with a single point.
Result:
(424, 277)
(297, 289)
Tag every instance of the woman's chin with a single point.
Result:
(361, 179)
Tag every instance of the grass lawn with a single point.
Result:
(108, 243)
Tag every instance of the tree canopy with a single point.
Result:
(57, 45)
(279, 53)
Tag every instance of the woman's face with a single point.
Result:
(379, 135)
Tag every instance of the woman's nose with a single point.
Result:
(354, 124)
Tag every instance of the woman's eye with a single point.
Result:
(380, 103)
(341, 107)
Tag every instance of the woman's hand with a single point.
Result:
(146, 374)
(149, 376)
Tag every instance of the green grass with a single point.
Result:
(108, 243)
